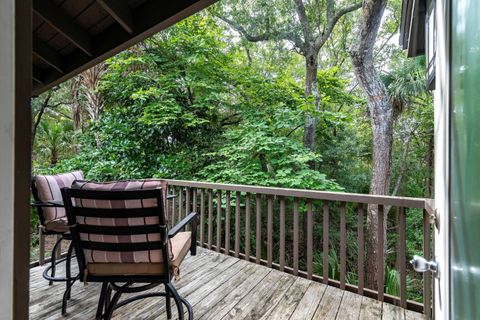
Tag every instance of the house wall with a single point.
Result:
(15, 90)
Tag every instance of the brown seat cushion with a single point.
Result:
(180, 246)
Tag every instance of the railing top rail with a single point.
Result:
(311, 194)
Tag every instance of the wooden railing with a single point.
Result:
(283, 229)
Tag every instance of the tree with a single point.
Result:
(308, 33)
(380, 109)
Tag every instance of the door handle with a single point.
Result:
(420, 264)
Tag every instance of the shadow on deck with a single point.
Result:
(222, 287)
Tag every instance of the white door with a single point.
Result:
(457, 172)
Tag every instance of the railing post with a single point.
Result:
(380, 253)
(227, 223)
(282, 234)
(295, 236)
(258, 227)
(343, 246)
(402, 256)
(325, 241)
(269, 231)
(360, 240)
(219, 220)
(202, 216)
(427, 284)
(237, 223)
(41, 244)
(247, 226)
(210, 218)
(309, 240)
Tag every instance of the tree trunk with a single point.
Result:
(381, 115)
(312, 96)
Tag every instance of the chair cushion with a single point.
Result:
(48, 188)
(180, 246)
(111, 257)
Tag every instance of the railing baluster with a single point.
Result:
(309, 239)
(187, 201)
(325, 241)
(427, 285)
(237, 223)
(282, 234)
(194, 199)
(269, 231)
(219, 219)
(202, 216)
(173, 190)
(380, 252)
(401, 256)
(343, 245)
(258, 233)
(210, 218)
(180, 205)
(227, 223)
(360, 240)
(247, 226)
(295, 236)
(187, 205)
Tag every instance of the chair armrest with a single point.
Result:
(171, 196)
(191, 218)
(50, 203)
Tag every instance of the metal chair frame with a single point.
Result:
(107, 304)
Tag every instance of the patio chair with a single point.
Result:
(53, 221)
(120, 233)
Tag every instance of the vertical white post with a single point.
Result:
(442, 151)
(7, 105)
(15, 127)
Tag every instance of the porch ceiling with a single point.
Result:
(70, 36)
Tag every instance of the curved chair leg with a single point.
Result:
(189, 308)
(53, 258)
(66, 294)
(111, 305)
(178, 300)
(168, 305)
(102, 302)
(68, 271)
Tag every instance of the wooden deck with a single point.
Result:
(222, 287)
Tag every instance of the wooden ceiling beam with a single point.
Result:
(64, 24)
(47, 54)
(149, 18)
(119, 11)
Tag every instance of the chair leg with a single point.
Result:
(68, 271)
(111, 305)
(178, 300)
(66, 294)
(54, 259)
(102, 303)
(168, 304)
(189, 308)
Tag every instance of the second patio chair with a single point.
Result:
(121, 235)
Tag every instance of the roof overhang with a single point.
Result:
(412, 27)
(70, 36)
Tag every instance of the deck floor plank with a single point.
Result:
(392, 312)
(308, 304)
(330, 303)
(370, 309)
(350, 306)
(220, 287)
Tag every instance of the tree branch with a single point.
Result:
(302, 16)
(332, 21)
